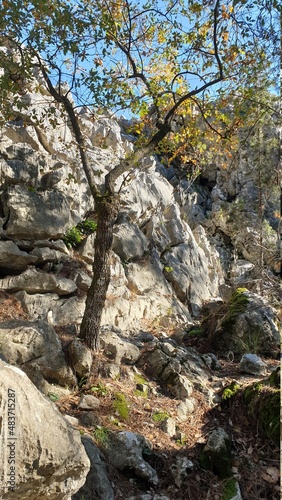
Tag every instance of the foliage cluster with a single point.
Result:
(76, 234)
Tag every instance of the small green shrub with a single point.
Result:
(230, 391)
(120, 405)
(87, 226)
(72, 237)
(181, 441)
(76, 234)
(195, 332)
(160, 417)
(100, 389)
(143, 394)
(101, 435)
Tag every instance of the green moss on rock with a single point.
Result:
(263, 405)
(230, 490)
(230, 391)
(216, 456)
(237, 304)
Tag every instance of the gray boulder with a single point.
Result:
(80, 358)
(37, 350)
(88, 402)
(129, 242)
(216, 455)
(126, 450)
(250, 324)
(12, 259)
(117, 349)
(97, 483)
(33, 281)
(252, 364)
(42, 454)
(42, 214)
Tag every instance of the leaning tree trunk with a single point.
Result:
(107, 211)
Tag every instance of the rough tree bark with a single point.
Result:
(107, 211)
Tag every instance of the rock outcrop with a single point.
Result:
(42, 455)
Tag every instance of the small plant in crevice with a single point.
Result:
(142, 394)
(53, 396)
(76, 234)
(195, 332)
(82, 382)
(181, 441)
(101, 435)
(139, 379)
(168, 269)
(72, 237)
(87, 226)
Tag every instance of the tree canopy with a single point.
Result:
(169, 56)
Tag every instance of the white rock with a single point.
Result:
(46, 452)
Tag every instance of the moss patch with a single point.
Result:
(263, 404)
(237, 304)
(230, 490)
(120, 405)
(230, 391)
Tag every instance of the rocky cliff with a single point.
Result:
(180, 251)
(176, 245)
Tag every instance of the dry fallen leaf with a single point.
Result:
(271, 475)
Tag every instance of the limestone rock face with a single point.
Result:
(129, 242)
(176, 243)
(36, 349)
(42, 455)
(26, 216)
(32, 281)
(12, 259)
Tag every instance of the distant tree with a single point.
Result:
(164, 62)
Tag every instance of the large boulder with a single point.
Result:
(37, 214)
(97, 484)
(127, 451)
(117, 349)
(250, 325)
(216, 455)
(42, 455)
(36, 349)
(33, 281)
(129, 242)
(12, 259)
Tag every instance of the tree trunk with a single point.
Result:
(107, 210)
